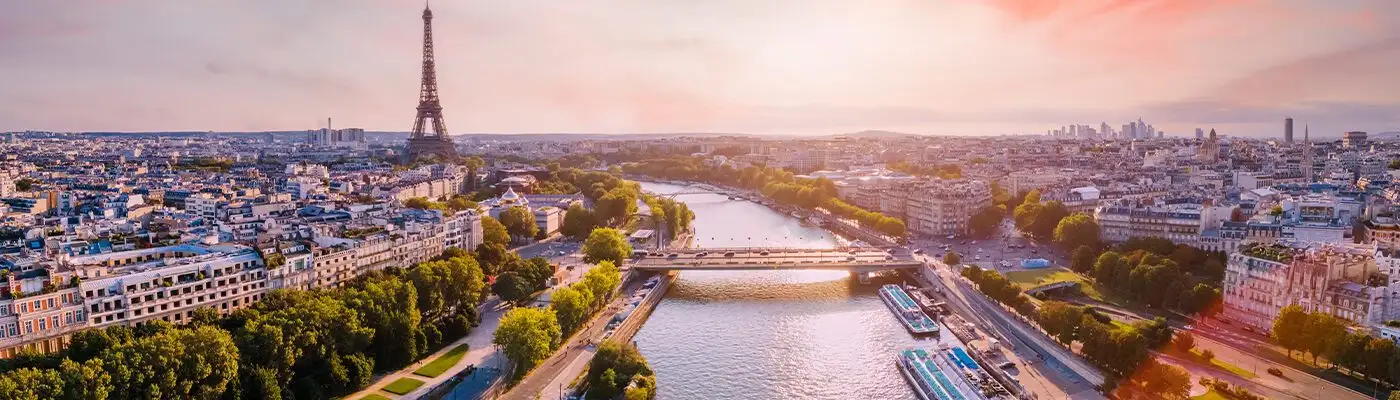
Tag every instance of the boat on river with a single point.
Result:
(908, 311)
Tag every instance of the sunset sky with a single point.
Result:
(753, 66)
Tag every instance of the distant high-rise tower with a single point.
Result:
(423, 142)
(1288, 130)
(1200, 134)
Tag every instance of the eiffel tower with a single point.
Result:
(422, 142)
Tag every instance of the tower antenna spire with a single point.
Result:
(429, 129)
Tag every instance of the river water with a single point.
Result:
(769, 334)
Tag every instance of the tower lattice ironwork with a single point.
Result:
(429, 129)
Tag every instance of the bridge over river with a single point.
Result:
(860, 260)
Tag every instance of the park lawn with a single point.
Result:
(373, 396)
(403, 386)
(441, 364)
(1027, 279)
(1211, 395)
(1227, 367)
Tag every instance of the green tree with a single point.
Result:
(571, 306)
(389, 306)
(511, 287)
(985, 222)
(1155, 332)
(25, 184)
(205, 316)
(1024, 213)
(519, 222)
(421, 203)
(1059, 319)
(461, 203)
(606, 244)
(614, 367)
(1184, 342)
(952, 258)
(493, 231)
(527, 336)
(1321, 332)
(1082, 261)
(194, 363)
(601, 281)
(1106, 267)
(31, 384)
(615, 205)
(1289, 327)
(578, 222)
(474, 165)
(1047, 218)
(85, 380)
(1165, 380)
(494, 258)
(1076, 231)
(1375, 360)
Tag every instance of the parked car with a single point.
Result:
(1276, 372)
(729, 254)
(701, 254)
(1006, 365)
(918, 251)
(763, 253)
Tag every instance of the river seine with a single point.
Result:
(769, 334)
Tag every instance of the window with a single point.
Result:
(53, 320)
(28, 327)
(5, 310)
(51, 302)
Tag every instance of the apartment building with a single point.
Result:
(1181, 223)
(39, 310)
(1024, 180)
(938, 207)
(168, 283)
(463, 230)
(1342, 280)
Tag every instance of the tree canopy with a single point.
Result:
(519, 222)
(527, 336)
(494, 232)
(606, 244)
(1077, 230)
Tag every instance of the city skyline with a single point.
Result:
(976, 68)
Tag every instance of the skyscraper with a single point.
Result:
(1288, 130)
(1200, 134)
(422, 142)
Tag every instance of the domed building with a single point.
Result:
(548, 209)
